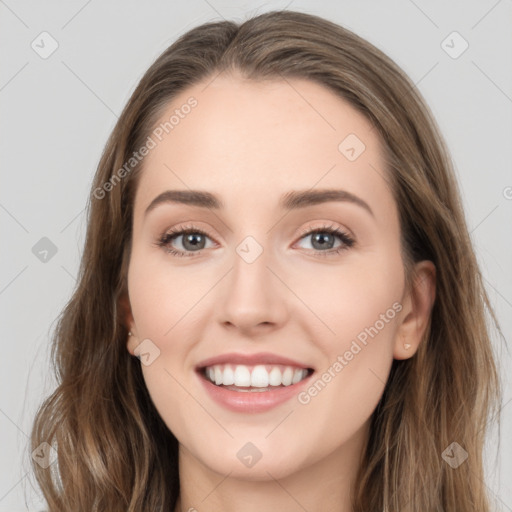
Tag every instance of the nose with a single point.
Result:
(254, 299)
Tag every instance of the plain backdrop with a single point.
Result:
(57, 111)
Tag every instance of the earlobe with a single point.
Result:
(404, 350)
(131, 342)
(417, 310)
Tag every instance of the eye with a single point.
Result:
(323, 239)
(192, 240)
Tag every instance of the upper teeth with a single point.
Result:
(260, 376)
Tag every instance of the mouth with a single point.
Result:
(252, 383)
(253, 378)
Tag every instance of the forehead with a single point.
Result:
(252, 141)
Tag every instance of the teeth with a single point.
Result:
(274, 377)
(228, 377)
(259, 376)
(287, 376)
(242, 376)
(297, 376)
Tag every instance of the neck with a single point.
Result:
(316, 487)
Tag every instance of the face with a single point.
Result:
(274, 286)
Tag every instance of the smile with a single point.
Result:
(254, 378)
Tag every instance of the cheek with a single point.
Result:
(361, 309)
(160, 298)
(356, 315)
(161, 295)
(345, 301)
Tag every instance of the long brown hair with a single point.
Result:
(114, 451)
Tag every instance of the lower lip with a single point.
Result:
(252, 401)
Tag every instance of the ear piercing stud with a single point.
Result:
(407, 346)
(130, 334)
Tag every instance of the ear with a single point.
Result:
(132, 341)
(417, 308)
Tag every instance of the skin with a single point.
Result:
(249, 143)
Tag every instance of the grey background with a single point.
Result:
(56, 115)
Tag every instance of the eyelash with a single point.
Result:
(168, 236)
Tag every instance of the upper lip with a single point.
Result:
(251, 360)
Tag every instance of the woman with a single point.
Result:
(351, 374)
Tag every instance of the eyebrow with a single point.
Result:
(292, 200)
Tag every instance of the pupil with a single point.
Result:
(190, 239)
(321, 239)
